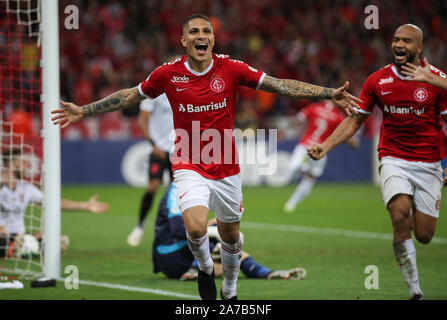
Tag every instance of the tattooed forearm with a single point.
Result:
(105, 105)
(295, 89)
(345, 130)
(119, 100)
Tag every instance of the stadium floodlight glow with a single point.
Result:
(51, 140)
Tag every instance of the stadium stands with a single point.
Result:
(322, 42)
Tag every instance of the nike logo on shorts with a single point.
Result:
(183, 194)
(386, 92)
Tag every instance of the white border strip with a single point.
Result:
(325, 231)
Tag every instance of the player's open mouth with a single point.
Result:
(400, 56)
(201, 48)
(400, 53)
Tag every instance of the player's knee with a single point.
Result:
(229, 235)
(424, 237)
(196, 233)
(400, 218)
(399, 211)
(196, 230)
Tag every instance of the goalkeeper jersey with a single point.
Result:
(13, 204)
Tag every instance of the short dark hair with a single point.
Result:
(196, 16)
(10, 153)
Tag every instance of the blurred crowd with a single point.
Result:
(120, 42)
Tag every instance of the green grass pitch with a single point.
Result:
(335, 234)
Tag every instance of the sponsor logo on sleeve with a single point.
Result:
(441, 74)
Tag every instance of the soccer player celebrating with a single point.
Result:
(320, 119)
(409, 151)
(201, 88)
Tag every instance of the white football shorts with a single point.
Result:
(421, 180)
(300, 161)
(224, 196)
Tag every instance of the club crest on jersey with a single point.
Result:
(421, 94)
(386, 80)
(183, 79)
(217, 85)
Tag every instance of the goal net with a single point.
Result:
(20, 132)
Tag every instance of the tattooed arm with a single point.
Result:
(72, 113)
(302, 90)
(343, 132)
(295, 89)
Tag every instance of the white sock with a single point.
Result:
(302, 190)
(231, 263)
(200, 249)
(406, 258)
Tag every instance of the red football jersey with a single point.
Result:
(322, 118)
(443, 139)
(411, 114)
(203, 106)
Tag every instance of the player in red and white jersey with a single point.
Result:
(201, 101)
(431, 75)
(320, 119)
(409, 148)
(202, 89)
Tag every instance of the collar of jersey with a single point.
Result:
(401, 77)
(199, 73)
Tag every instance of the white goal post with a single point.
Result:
(51, 168)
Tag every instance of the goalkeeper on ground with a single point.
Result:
(15, 196)
(171, 255)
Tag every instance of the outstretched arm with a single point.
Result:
(343, 132)
(92, 205)
(302, 90)
(72, 113)
(424, 75)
